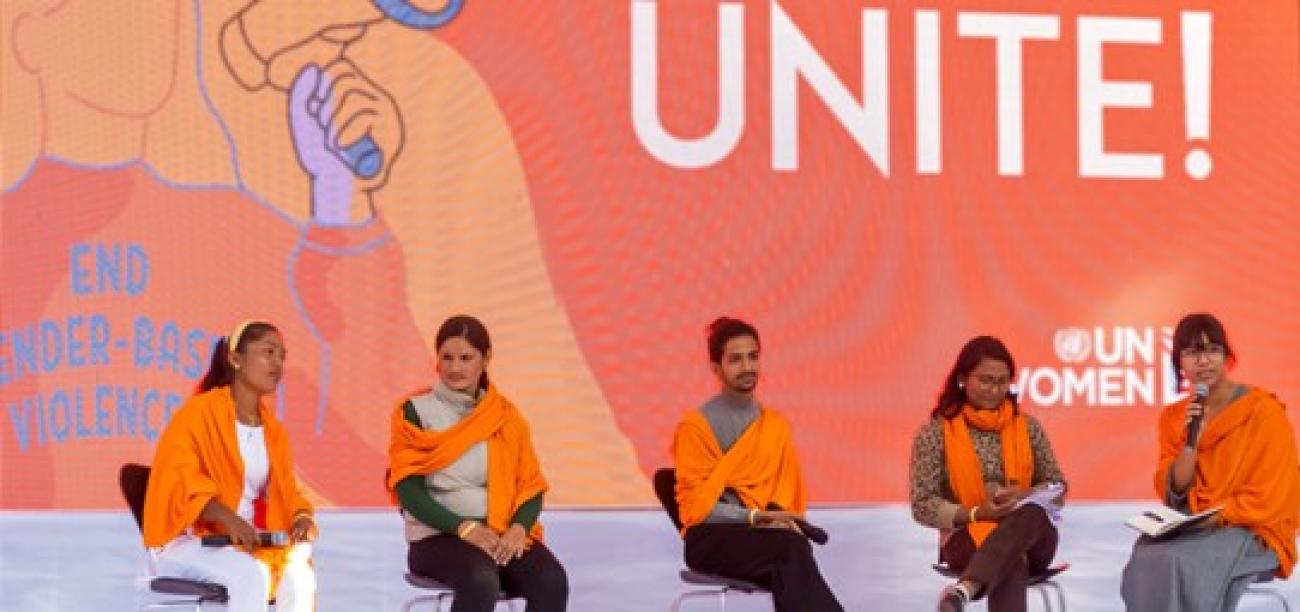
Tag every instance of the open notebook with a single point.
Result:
(1165, 521)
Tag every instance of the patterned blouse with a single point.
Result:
(933, 502)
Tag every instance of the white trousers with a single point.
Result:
(246, 579)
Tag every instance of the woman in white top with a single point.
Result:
(223, 467)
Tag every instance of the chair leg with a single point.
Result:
(1286, 607)
(1042, 594)
(435, 599)
(1060, 595)
(721, 594)
(197, 606)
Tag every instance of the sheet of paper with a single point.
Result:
(1048, 497)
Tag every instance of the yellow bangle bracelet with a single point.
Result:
(752, 512)
(464, 531)
(972, 513)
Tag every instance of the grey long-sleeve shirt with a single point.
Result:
(729, 416)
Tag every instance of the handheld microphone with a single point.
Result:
(1194, 426)
(814, 533)
(264, 538)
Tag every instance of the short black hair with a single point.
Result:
(722, 330)
(1193, 330)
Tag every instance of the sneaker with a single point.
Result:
(953, 598)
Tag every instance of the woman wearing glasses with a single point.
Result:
(973, 464)
(1234, 450)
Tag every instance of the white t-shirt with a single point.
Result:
(257, 468)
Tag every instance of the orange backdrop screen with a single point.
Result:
(871, 184)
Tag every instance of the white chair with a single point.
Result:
(1264, 587)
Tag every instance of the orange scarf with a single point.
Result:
(198, 460)
(1246, 462)
(514, 475)
(760, 467)
(965, 476)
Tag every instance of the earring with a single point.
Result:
(960, 385)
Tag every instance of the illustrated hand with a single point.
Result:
(333, 113)
(269, 41)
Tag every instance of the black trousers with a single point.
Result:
(1022, 546)
(537, 576)
(776, 559)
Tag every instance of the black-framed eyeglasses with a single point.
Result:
(1208, 351)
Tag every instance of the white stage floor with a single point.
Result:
(878, 559)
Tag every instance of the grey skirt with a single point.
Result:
(1199, 571)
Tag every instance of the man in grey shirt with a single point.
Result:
(739, 488)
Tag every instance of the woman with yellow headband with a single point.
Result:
(223, 467)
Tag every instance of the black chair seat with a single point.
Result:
(422, 582)
(1265, 577)
(133, 480)
(425, 582)
(1050, 573)
(202, 591)
(693, 577)
(947, 572)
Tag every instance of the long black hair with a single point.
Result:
(219, 371)
(952, 397)
(473, 331)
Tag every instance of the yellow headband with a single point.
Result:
(233, 340)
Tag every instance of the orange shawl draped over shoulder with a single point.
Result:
(514, 474)
(966, 477)
(760, 467)
(198, 460)
(1245, 462)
